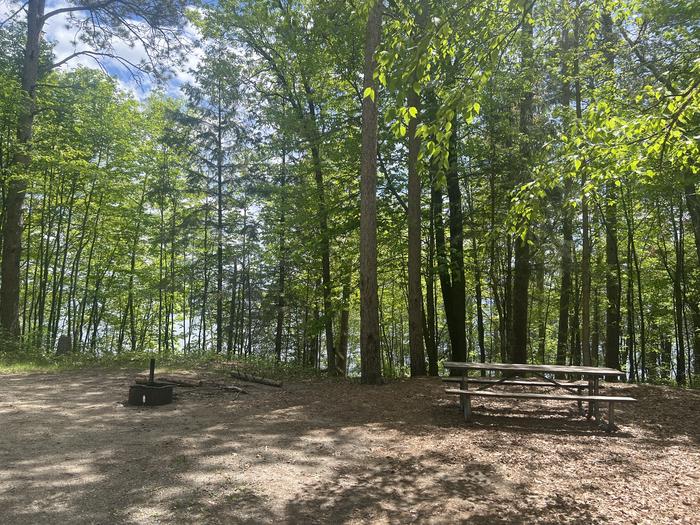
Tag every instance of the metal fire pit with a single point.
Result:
(151, 393)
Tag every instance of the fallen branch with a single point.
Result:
(243, 376)
(231, 388)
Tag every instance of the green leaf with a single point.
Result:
(369, 92)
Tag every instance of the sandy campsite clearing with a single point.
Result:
(325, 451)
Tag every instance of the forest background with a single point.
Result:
(186, 179)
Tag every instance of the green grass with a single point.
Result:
(25, 362)
(37, 362)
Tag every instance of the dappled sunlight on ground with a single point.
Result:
(336, 452)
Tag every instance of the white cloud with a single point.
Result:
(65, 36)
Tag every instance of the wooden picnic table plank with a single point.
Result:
(510, 382)
(541, 369)
(533, 395)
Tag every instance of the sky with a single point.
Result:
(58, 31)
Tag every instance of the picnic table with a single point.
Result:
(586, 390)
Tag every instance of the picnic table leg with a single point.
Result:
(467, 407)
(611, 417)
(591, 404)
(580, 405)
(596, 407)
(465, 400)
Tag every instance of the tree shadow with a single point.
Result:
(395, 490)
(70, 452)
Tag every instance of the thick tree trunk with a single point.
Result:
(566, 222)
(16, 191)
(415, 294)
(521, 271)
(456, 223)
(612, 276)
(370, 356)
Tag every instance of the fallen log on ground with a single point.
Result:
(171, 380)
(193, 384)
(244, 376)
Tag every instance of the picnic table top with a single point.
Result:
(517, 367)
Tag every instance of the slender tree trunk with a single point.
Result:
(230, 345)
(612, 284)
(678, 301)
(341, 363)
(479, 300)
(281, 266)
(692, 200)
(219, 226)
(429, 324)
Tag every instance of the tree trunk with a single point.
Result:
(16, 191)
(415, 300)
(692, 200)
(479, 308)
(612, 284)
(566, 224)
(429, 324)
(456, 223)
(219, 228)
(678, 302)
(521, 271)
(370, 356)
(281, 267)
(341, 362)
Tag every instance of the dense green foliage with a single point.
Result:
(563, 134)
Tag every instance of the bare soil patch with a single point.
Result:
(328, 451)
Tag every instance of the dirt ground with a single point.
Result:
(337, 452)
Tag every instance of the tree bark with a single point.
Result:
(456, 223)
(370, 357)
(341, 362)
(16, 192)
(281, 267)
(612, 284)
(566, 224)
(415, 293)
(219, 226)
(521, 271)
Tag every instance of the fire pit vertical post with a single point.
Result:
(151, 393)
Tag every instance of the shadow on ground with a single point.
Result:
(322, 452)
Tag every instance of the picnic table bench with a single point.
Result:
(547, 377)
